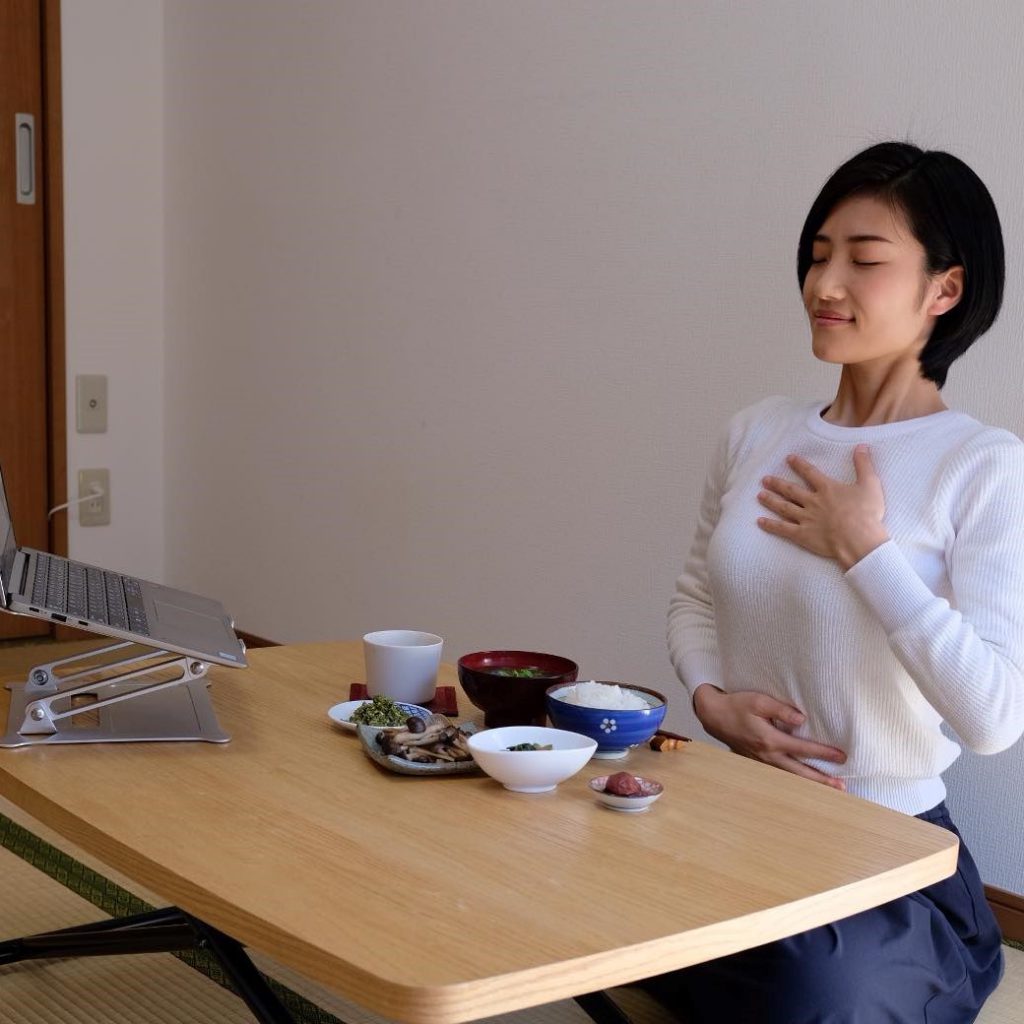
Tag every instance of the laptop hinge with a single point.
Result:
(20, 573)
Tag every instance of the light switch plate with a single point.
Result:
(91, 403)
(96, 511)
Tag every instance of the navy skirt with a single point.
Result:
(932, 957)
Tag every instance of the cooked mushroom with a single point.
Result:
(437, 742)
(416, 754)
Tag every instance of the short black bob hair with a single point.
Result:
(950, 213)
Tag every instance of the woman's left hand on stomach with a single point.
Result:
(827, 517)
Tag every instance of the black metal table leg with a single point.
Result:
(168, 930)
(243, 975)
(163, 915)
(601, 1008)
(155, 932)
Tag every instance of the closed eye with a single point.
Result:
(856, 263)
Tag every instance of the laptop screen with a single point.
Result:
(10, 545)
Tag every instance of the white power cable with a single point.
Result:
(96, 492)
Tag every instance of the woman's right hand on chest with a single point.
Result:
(746, 722)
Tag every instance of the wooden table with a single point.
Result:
(448, 899)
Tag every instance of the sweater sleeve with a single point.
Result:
(966, 658)
(692, 634)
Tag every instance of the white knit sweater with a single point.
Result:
(927, 628)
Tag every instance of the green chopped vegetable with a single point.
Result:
(381, 711)
(527, 672)
(532, 746)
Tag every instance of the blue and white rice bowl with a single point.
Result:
(614, 729)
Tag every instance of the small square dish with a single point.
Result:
(368, 737)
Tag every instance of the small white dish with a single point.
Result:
(341, 714)
(530, 771)
(630, 804)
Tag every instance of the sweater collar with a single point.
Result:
(835, 432)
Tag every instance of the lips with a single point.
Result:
(828, 317)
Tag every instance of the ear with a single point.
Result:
(947, 291)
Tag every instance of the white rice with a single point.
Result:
(607, 696)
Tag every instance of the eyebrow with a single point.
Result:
(855, 238)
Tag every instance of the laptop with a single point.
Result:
(50, 587)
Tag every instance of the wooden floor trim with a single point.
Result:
(1009, 910)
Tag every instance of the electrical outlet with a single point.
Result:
(91, 403)
(96, 511)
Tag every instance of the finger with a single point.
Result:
(786, 489)
(797, 747)
(770, 708)
(782, 507)
(807, 772)
(863, 464)
(779, 527)
(782, 742)
(809, 473)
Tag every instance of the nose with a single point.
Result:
(828, 282)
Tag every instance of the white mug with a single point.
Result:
(402, 664)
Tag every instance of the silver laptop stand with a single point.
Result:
(164, 697)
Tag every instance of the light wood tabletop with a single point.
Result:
(438, 900)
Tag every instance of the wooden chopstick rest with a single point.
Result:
(663, 740)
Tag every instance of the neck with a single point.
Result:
(868, 397)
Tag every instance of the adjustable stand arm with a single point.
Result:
(40, 715)
(45, 679)
(127, 705)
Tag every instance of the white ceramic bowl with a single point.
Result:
(530, 771)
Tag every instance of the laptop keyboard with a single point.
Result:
(82, 592)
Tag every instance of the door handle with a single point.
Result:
(25, 148)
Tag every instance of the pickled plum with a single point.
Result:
(623, 784)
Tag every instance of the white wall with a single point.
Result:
(459, 294)
(114, 254)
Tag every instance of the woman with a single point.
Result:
(857, 578)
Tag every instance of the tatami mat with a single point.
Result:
(155, 988)
(160, 989)
(1007, 1004)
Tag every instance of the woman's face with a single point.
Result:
(867, 294)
